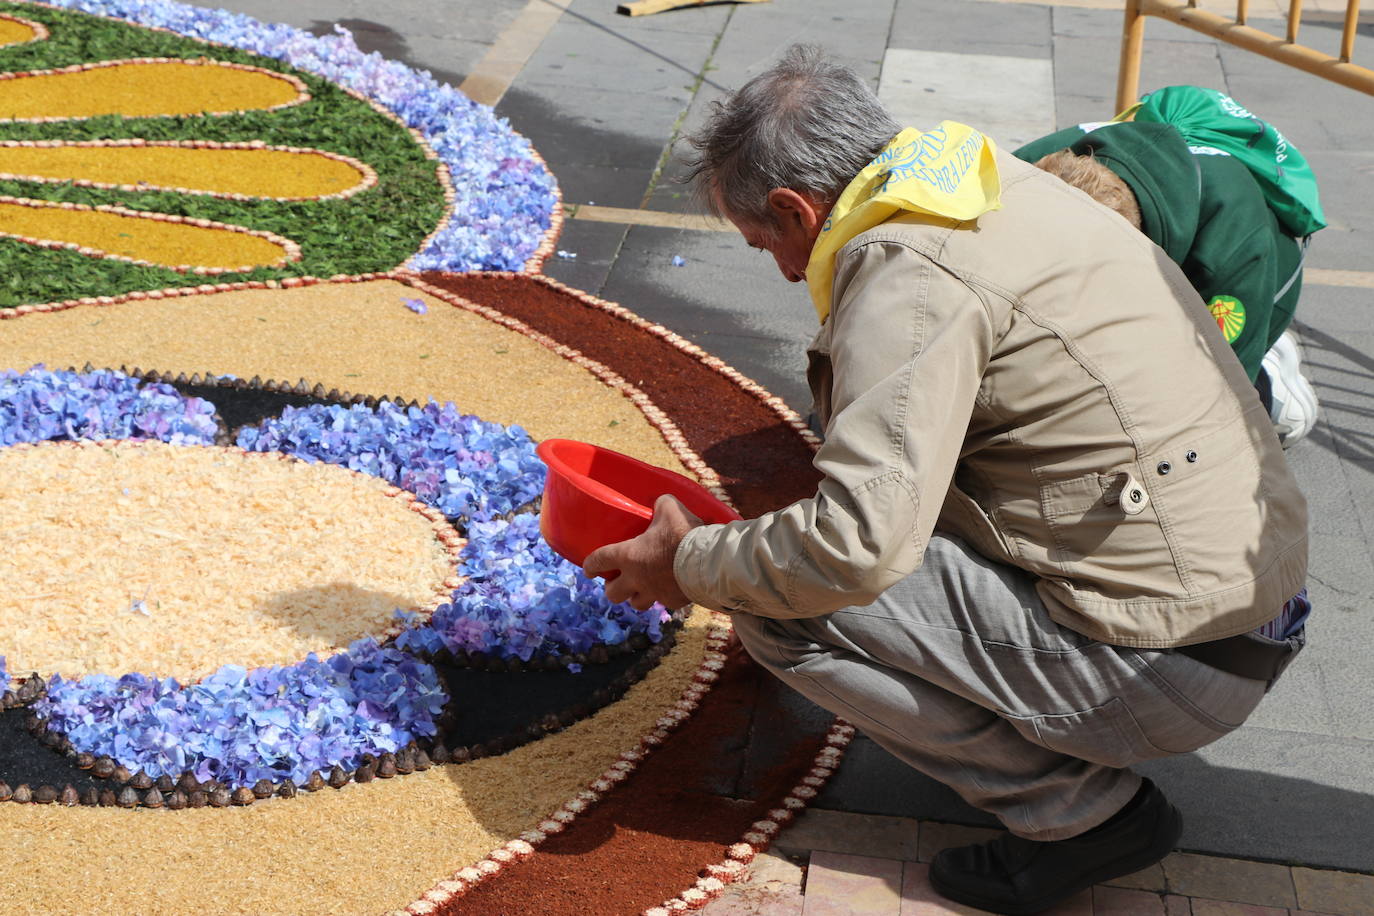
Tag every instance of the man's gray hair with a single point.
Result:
(807, 123)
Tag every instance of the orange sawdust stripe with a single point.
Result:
(143, 238)
(146, 87)
(16, 31)
(240, 170)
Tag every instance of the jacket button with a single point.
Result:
(1164, 467)
(1137, 496)
(1191, 456)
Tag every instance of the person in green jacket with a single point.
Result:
(1209, 213)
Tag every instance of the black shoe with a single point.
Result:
(1019, 877)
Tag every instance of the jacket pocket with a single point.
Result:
(1104, 532)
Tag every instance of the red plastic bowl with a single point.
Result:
(594, 496)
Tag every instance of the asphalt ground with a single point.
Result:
(603, 97)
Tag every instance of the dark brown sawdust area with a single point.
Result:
(763, 463)
(651, 838)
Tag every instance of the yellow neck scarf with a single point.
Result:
(949, 172)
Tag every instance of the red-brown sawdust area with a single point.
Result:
(650, 839)
(762, 461)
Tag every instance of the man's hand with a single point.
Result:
(646, 562)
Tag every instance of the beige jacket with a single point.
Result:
(1046, 385)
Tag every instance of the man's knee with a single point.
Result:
(775, 644)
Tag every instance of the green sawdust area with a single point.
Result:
(375, 230)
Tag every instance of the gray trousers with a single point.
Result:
(959, 671)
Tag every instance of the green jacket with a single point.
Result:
(1207, 212)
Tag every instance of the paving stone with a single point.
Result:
(1260, 793)
(751, 902)
(595, 245)
(1204, 907)
(774, 888)
(1120, 901)
(855, 834)
(1011, 99)
(625, 55)
(1344, 673)
(846, 885)
(935, 836)
(1171, 62)
(1334, 891)
(1347, 187)
(852, 33)
(931, 25)
(920, 899)
(1105, 25)
(727, 299)
(1088, 66)
(1301, 700)
(691, 19)
(1177, 905)
(588, 126)
(1070, 110)
(1332, 308)
(1229, 879)
(773, 867)
(1149, 879)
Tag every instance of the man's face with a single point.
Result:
(799, 221)
(790, 252)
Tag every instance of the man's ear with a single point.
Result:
(789, 207)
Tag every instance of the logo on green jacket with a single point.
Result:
(1230, 316)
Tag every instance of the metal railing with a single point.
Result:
(1284, 49)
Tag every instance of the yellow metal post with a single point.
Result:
(1352, 19)
(1128, 73)
(1294, 20)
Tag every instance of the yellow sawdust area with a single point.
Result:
(357, 337)
(170, 244)
(13, 32)
(172, 560)
(144, 89)
(363, 849)
(253, 172)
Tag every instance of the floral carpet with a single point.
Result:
(280, 633)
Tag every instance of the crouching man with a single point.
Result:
(1056, 533)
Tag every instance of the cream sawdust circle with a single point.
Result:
(175, 560)
(110, 264)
